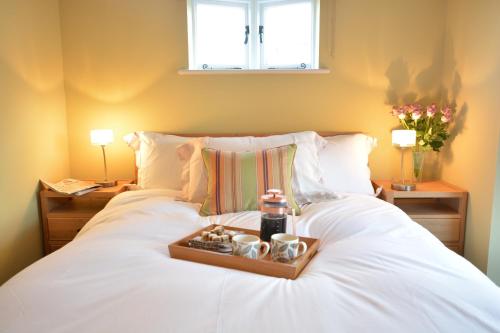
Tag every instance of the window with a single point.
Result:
(253, 34)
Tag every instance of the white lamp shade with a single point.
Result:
(101, 137)
(404, 138)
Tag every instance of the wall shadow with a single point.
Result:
(422, 87)
(439, 83)
(451, 96)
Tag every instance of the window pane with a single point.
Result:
(287, 34)
(220, 35)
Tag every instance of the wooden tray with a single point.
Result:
(265, 266)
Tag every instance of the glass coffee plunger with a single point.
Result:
(273, 207)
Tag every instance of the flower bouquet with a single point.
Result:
(431, 125)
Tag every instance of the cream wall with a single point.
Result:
(121, 59)
(472, 72)
(32, 124)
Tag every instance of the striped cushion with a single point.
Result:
(236, 181)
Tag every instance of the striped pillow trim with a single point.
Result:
(236, 181)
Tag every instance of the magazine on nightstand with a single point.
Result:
(72, 186)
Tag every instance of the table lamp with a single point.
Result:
(403, 139)
(103, 137)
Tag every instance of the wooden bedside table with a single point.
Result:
(438, 206)
(63, 216)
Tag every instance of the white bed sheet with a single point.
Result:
(376, 271)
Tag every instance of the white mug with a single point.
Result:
(249, 246)
(285, 247)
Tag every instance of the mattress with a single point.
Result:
(376, 271)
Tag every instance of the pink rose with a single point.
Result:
(402, 113)
(431, 110)
(447, 114)
(416, 111)
(399, 111)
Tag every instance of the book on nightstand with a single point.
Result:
(72, 186)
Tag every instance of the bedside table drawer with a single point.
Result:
(63, 216)
(65, 228)
(454, 248)
(446, 230)
(54, 246)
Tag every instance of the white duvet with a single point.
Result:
(376, 271)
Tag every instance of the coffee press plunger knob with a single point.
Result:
(274, 191)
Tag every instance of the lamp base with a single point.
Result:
(107, 183)
(403, 187)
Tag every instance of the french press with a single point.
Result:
(273, 207)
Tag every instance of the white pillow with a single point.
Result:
(344, 163)
(158, 163)
(307, 172)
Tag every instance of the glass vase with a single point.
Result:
(418, 166)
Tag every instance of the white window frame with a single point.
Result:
(192, 28)
(254, 50)
(314, 32)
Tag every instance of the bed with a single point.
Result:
(376, 271)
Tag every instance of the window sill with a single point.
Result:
(252, 71)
